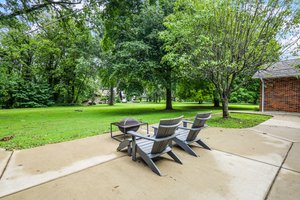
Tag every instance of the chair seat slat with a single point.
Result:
(149, 149)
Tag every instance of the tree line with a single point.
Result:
(52, 52)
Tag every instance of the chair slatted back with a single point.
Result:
(199, 122)
(166, 128)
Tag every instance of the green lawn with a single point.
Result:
(38, 126)
(237, 120)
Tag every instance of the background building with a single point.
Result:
(280, 86)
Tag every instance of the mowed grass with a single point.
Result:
(39, 126)
(237, 120)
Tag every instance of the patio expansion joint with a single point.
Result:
(292, 170)
(247, 158)
(6, 165)
(276, 175)
(51, 180)
(277, 137)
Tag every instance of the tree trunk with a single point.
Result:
(169, 88)
(79, 92)
(70, 95)
(169, 99)
(225, 106)
(73, 95)
(55, 96)
(111, 96)
(216, 99)
(216, 103)
(10, 102)
(120, 96)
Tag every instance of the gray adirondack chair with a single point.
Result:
(152, 147)
(187, 136)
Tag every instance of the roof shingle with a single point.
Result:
(280, 69)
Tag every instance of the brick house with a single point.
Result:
(280, 86)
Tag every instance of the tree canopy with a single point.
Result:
(65, 51)
(227, 40)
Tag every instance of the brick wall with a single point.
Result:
(282, 94)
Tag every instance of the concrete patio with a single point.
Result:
(261, 162)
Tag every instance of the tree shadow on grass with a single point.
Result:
(200, 107)
(147, 111)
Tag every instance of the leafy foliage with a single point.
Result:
(30, 8)
(227, 40)
(61, 59)
(29, 94)
(246, 94)
(191, 50)
(135, 52)
(194, 90)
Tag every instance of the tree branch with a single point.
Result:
(26, 10)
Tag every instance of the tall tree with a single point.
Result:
(115, 19)
(137, 50)
(228, 39)
(60, 58)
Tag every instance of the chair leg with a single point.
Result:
(171, 143)
(149, 162)
(185, 147)
(129, 150)
(203, 144)
(174, 156)
(123, 145)
(133, 149)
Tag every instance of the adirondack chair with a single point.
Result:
(152, 147)
(187, 136)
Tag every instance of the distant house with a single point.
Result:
(280, 86)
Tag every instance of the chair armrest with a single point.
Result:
(185, 122)
(155, 129)
(193, 129)
(204, 118)
(135, 134)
